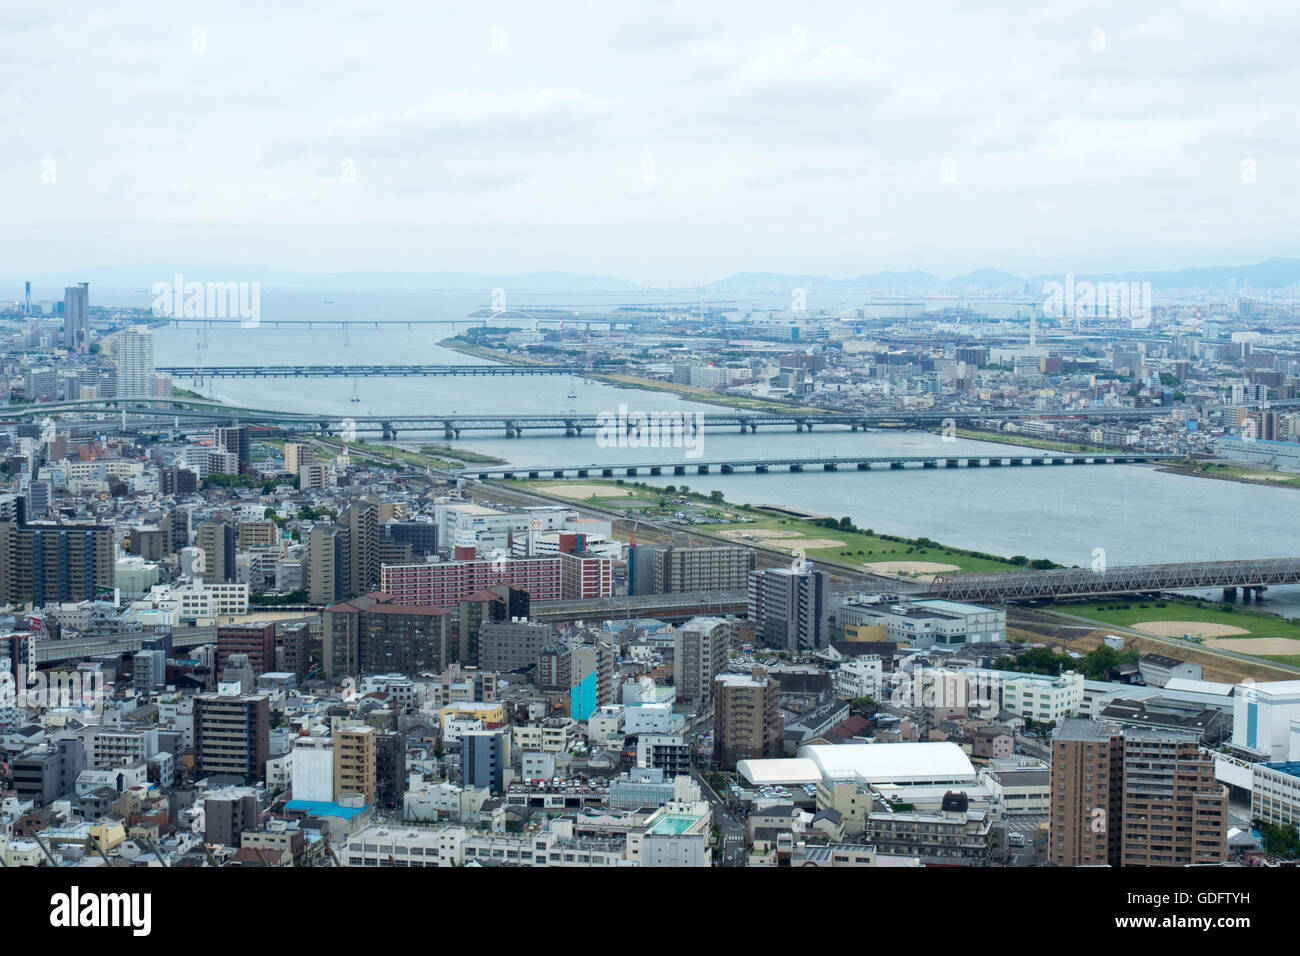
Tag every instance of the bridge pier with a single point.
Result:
(727, 469)
(1230, 594)
(929, 464)
(557, 474)
(760, 469)
(656, 470)
(534, 474)
(895, 466)
(1017, 461)
(973, 462)
(829, 466)
(753, 427)
(582, 472)
(1035, 461)
(864, 466)
(701, 469)
(607, 472)
(679, 469)
(952, 462)
(630, 471)
(995, 462)
(796, 467)
(1057, 461)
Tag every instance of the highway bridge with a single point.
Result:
(378, 371)
(388, 426)
(1253, 575)
(729, 466)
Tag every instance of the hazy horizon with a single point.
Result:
(669, 150)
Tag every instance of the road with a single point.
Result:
(732, 843)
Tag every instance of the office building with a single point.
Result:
(327, 553)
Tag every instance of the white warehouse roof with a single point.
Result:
(938, 762)
(780, 770)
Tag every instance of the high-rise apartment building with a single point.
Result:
(216, 540)
(788, 608)
(76, 318)
(47, 562)
(256, 641)
(133, 350)
(1175, 811)
(297, 454)
(362, 566)
(748, 719)
(484, 754)
(672, 570)
(372, 635)
(236, 441)
(327, 553)
(232, 734)
(701, 648)
(354, 762)
(1087, 794)
(1134, 797)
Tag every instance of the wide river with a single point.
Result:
(1135, 513)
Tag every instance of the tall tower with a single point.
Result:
(76, 318)
(133, 350)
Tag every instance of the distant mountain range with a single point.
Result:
(1275, 273)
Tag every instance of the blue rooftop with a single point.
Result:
(1289, 767)
(324, 808)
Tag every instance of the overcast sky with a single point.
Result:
(666, 143)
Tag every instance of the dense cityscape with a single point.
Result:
(711, 436)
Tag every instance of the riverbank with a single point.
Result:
(692, 392)
(830, 539)
(1221, 471)
(1025, 441)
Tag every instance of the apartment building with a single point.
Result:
(748, 719)
(232, 734)
(701, 649)
(354, 762)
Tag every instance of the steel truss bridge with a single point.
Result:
(377, 371)
(1014, 585)
(797, 464)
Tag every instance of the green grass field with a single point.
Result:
(1129, 613)
(858, 548)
